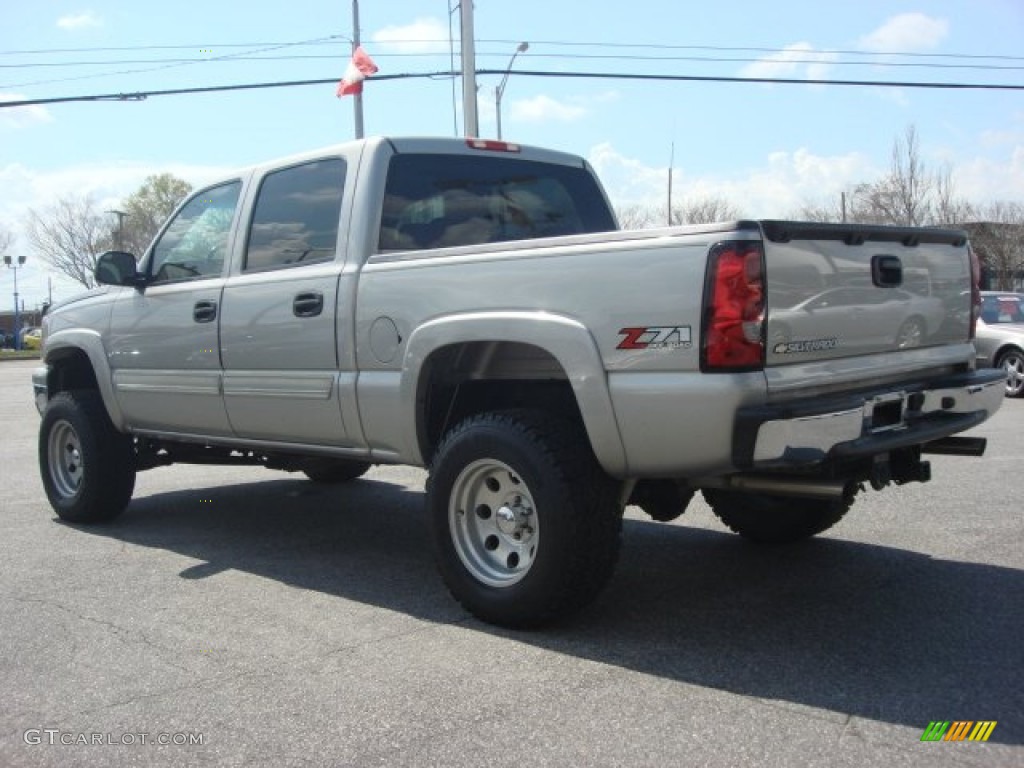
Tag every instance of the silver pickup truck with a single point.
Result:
(469, 307)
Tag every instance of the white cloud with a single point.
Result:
(799, 60)
(22, 117)
(427, 35)
(780, 188)
(986, 179)
(906, 32)
(541, 108)
(77, 21)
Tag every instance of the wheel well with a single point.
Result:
(460, 380)
(70, 369)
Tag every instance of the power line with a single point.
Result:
(142, 95)
(563, 43)
(247, 56)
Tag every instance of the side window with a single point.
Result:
(295, 220)
(437, 201)
(195, 243)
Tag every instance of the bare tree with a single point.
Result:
(950, 210)
(69, 235)
(6, 240)
(704, 210)
(636, 216)
(999, 239)
(909, 194)
(697, 210)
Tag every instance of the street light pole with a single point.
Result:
(500, 90)
(16, 265)
(120, 228)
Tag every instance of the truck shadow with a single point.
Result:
(867, 631)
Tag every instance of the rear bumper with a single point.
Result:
(809, 432)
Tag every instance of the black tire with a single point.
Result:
(662, 500)
(526, 525)
(1012, 363)
(335, 470)
(775, 519)
(87, 466)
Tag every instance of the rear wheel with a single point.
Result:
(775, 519)
(662, 500)
(87, 466)
(335, 470)
(526, 525)
(1012, 363)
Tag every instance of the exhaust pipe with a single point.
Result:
(779, 486)
(956, 446)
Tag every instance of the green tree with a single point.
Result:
(146, 209)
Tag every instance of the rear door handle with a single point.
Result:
(204, 311)
(308, 304)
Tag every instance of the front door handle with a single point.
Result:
(308, 304)
(204, 311)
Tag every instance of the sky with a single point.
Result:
(768, 149)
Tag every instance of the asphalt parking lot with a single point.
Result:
(242, 617)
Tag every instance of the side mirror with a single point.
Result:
(117, 268)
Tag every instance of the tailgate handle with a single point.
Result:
(886, 270)
(308, 304)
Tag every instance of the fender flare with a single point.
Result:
(90, 343)
(565, 339)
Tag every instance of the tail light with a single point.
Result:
(733, 332)
(975, 290)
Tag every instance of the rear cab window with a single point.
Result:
(441, 201)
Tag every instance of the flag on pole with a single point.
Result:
(360, 68)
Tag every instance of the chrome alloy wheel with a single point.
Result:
(66, 466)
(493, 523)
(1013, 366)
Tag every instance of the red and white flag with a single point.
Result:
(360, 68)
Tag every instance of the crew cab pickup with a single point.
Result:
(469, 307)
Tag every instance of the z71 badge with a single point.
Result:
(656, 337)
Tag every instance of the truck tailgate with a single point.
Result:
(885, 294)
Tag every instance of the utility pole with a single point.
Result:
(671, 161)
(470, 120)
(358, 103)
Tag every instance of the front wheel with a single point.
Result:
(1012, 363)
(526, 524)
(776, 519)
(87, 466)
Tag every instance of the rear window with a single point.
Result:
(1002, 309)
(439, 201)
